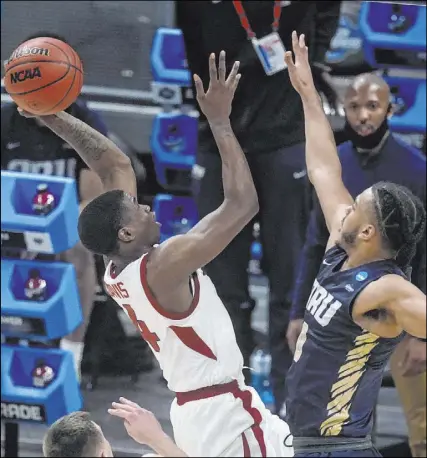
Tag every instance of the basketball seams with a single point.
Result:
(71, 85)
(46, 40)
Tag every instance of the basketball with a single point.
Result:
(43, 76)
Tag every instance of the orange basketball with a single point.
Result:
(44, 76)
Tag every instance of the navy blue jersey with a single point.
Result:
(334, 381)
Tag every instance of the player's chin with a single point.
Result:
(340, 242)
(157, 232)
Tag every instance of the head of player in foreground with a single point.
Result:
(116, 226)
(386, 221)
(76, 435)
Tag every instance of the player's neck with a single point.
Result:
(359, 258)
(120, 262)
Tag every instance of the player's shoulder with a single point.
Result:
(384, 289)
(345, 149)
(136, 265)
(402, 145)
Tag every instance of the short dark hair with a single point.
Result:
(44, 33)
(100, 221)
(401, 219)
(74, 435)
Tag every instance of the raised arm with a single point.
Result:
(323, 164)
(178, 257)
(111, 165)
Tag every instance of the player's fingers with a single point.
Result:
(302, 42)
(24, 113)
(119, 413)
(233, 74)
(118, 405)
(236, 82)
(128, 402)
(221, 67)
(295, 44)
(213, 73)
(200, 92)
(289, 60)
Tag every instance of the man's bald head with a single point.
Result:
(367, 104)
(366, 80)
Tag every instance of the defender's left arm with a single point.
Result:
(391, 305)
(408, 304)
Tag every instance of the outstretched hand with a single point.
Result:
(300, 71)
(140, 424)
(216, 101)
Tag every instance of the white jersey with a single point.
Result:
(194, 349)
(197, 350)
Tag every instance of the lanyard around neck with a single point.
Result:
(277, 11)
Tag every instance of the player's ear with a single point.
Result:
(125, 235)
(392, 108)
(367, 232)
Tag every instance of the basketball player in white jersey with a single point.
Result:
(164, 291)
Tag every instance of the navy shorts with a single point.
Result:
(369, 452)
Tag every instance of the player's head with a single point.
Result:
(115, 225)
(367, 109)
(76, 435)
(386, 218)
(44, 33)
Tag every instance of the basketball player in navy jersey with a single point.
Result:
(361, 302)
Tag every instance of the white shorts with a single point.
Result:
(232, 424)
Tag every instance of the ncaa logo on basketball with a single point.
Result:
(19, 77)
(361, 276)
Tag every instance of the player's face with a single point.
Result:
(366, 108)
(356, 226)
(105, 449)
(144, 225)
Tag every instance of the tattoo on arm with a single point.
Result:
(95, 149)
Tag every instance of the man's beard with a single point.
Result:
(348, 239)
(367, 142)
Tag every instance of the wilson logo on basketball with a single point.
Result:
(26, 51)
(18, 77)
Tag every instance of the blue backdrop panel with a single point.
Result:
(55, 317)
(53, 233)
(173, 144)
(394, 34)
(410, 98)
(22, 401)
(177, 214)
(168, 58)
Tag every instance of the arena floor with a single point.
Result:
(151, 393)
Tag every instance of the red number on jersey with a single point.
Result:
(150, 337)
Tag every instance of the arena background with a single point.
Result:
(113, 39)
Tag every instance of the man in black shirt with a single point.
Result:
(268, 121)
(28, 147)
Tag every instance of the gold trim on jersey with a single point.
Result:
(344, 388)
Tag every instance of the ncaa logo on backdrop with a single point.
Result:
(361, 276)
